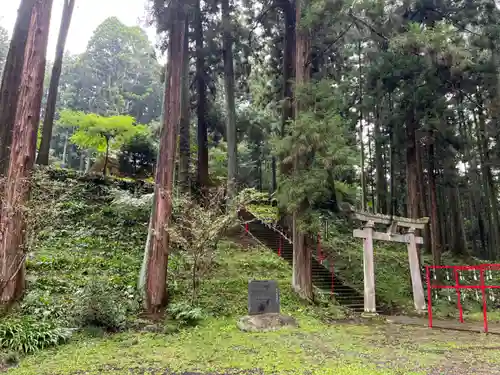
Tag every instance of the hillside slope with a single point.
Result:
(87, 233)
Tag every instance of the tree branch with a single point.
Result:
(259, 19)
(330, 45)
(366, 24)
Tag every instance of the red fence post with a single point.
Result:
(485, 307)
(429, 294)
(482, 286)
(459, 301)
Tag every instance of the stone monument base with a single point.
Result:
(265, 322)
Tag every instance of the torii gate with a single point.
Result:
(368, 234)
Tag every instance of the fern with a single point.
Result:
(186, 314)
(27, 336)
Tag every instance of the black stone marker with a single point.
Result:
(263, 297)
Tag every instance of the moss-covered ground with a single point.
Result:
(83, 234)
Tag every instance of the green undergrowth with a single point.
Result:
(82, 280)
(224, 293)
(85, 251)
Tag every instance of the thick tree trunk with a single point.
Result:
(360, 134)
(11, 79)
(475, 193)
(185, 136)
(288, 68)
(17, 185)
(381, 181)
(232, 155)
(459, 243)
(302, 272)
(106, 158)
(412, 170)
(301, 278)
(50, 109)
(434, 217)
(288, 72)
(157, 259)
(202, 168)
(489, 187)
(413, 203)
(423, 201)
(393, 162)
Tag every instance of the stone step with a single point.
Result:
(321, 276)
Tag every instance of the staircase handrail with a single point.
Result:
(274, 228)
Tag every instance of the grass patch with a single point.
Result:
(314, 348)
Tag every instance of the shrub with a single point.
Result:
(185, 314)
(99, 305)
(42, 304)
(130, 208)
(196, 231)
(27, 335)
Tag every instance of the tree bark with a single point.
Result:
(488, 185)
(185, 136)
(393, 204)
(413, 203)
(288, 62)
(50, 109)
(360, 134)
(11, 79)
(17, 185)
(381, 181)
(288, 72)
(232, 155)
(157, 260)
(434, 217)
(202, 170)
(301, 278)
(106, 158)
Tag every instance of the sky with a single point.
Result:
(88, 14)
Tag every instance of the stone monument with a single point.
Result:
(264, 308)
(263, 297)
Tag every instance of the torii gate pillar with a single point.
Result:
(369, 268)
(368, 234)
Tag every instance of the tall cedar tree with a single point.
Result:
(201, 109)
(184, 132)
(302, 277)
(232, 156)
(158, 250)
(11, 80)
(50, 109)
(17, 186)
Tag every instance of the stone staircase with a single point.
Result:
(326, 282)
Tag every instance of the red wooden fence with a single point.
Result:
(482, 268)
